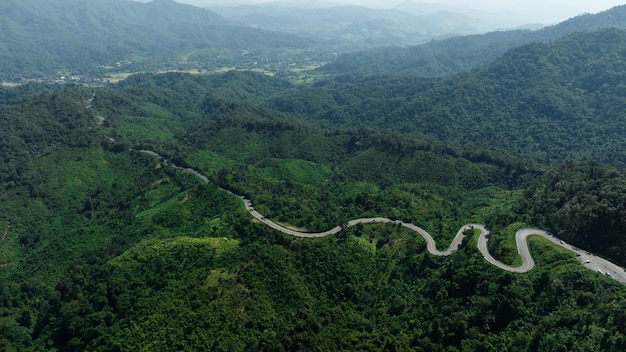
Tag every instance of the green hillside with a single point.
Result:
(550, 101)
(106, 247)
(46, 37)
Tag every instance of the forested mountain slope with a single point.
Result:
(48, 36)
(496, 115)
(552, 101)
(585, 203)
(539, 104)
(111, 249)
(103, 247)
(36, 125)
(442, 57)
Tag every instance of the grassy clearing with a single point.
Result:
(208, 162)
(365, 243)
(154, 249)
(225, 69)
(161, 190)
(548, 255)
(509, 243)
(472, 241)
(297, 171)
(194, 71)
(180, 197)
(118, 77)
(307, 68)
(490, 202)
(153, 129)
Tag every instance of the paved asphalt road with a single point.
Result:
(590, 261)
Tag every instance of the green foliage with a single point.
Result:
(35, 124)
(502, 244)
(584, 203)
(112, 249)
(532, 103)
(338, 293)
(351, 174)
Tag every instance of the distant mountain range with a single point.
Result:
(61, 37)
(442, 57)
(45, 36)
(494, 20)
(555, 101)
(356, 26)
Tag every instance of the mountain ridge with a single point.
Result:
(442, 57)
(77, 36)
(353, 26)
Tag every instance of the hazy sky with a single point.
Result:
(555, 10)
(546, 11)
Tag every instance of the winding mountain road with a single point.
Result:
(592, 262)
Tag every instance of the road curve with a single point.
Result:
(589, 260)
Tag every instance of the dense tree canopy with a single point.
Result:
(584, 203)
(108, 248)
